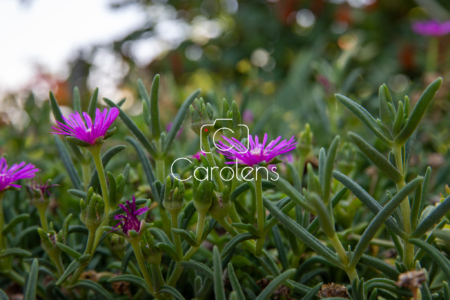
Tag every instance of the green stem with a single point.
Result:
(408, 248)
(58, 263)
(198, 236)
(141, 263)
(212, 162)
(160, 166)
(158, 279)
(260, 213)
(86, 169)
(87, 250)
(301, 167)
(337, 245)
(176, 236)
(96, 155)
(42, 216)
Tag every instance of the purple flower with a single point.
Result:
(43, 187)
(258, 152)
(169, 126)
(130, 221)
(431, 28)
(16, 172)
(197, 155)
(76, 127)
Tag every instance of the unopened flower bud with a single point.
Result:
(305, 141)
(151, 253)
(117, 244)
(203, 196)
(220, 204)
(201, 114)
(92, 210)
(49, 239)
(174, 195)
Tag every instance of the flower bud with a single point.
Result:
(203, 197)
(151, 253)
(173, 195)
(220, 204)
(234, 124)
(305, 141)
(117, 244)
(40, 193)
(48, 241)
(201, 114)
(92, 210)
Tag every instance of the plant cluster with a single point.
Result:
(307, 231)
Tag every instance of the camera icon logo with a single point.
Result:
(208, 128)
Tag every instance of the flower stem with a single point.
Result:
(86, 175)
(96, 155)
(260, 213)
(42, 216)
(337, 245)
(212, 162)
(408, 248)
(176, 236)
(160, 175)
(142, 265)
(198, 236)
(87, 250)
(158, 279)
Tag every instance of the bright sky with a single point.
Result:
(50, 32)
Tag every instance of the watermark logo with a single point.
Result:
(208, 128)
(226, 173)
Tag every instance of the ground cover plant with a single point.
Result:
(245, 217)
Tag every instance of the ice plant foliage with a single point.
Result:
(257, 152)
(83, 129)
(255, 218)
(431, 28)
(130, 220)
(14, 173)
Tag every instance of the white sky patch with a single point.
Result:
(50, 32)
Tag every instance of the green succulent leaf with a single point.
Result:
(32, 284)
(418, 111)
(199, 267)
(380, 218)
(435, 254)
(134, 129)
(377, 158)
(235, 284)
(275, 283)
(303, 234)
(18, 219)
(365, 117)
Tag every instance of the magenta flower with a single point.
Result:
(130, 221)
(257, 153)
(16, 172)
(83, 129)
(43, 187)
(431, 28)
(197, 155)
